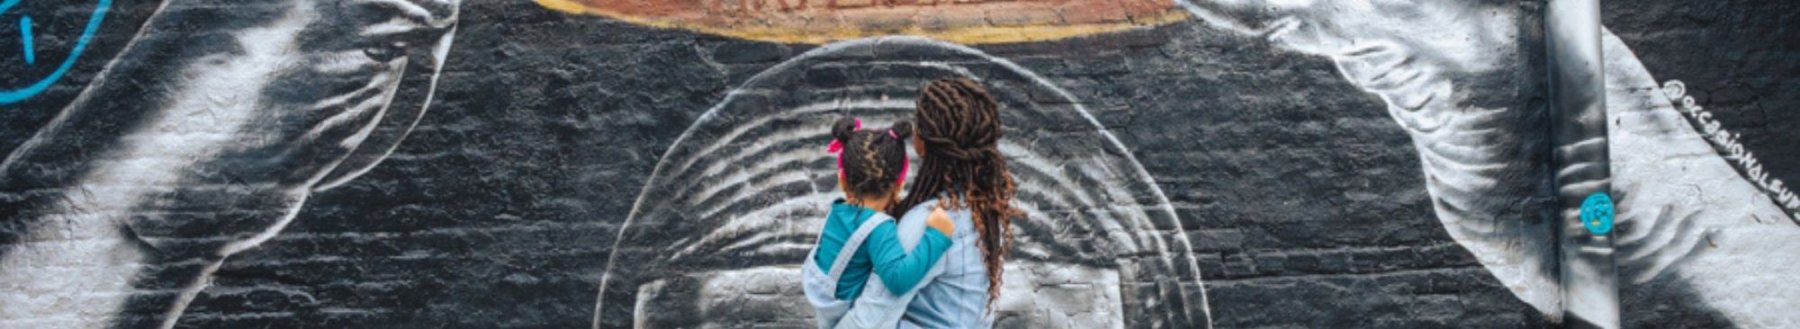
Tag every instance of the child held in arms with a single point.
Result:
(858, 239)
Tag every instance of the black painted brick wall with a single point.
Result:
(1304, 201)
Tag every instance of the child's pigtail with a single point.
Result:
(842, 129)
(902, 130)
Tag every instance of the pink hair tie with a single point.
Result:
(904, 163)
(837, 147)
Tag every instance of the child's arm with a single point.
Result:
(901, 270)
(878, 307)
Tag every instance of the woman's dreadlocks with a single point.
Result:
(959, 124)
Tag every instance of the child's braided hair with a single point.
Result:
(873, 161)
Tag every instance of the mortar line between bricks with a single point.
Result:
(1428, 270)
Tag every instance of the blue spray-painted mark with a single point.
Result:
(25, 37)
(8, 96)
(1597, 213)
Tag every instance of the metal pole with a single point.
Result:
(1580, 158)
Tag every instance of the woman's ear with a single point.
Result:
(919, 145)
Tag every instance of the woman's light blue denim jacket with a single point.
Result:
(954, 294)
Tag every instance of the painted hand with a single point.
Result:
(190, 148)
(262, 119)
(1440, 67)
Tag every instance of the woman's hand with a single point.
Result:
(940, 220)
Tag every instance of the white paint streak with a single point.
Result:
(1700, 213)
(1726, 142)
(198, 125)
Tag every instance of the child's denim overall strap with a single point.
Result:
(821, 284)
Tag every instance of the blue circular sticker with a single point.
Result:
(1597, 213)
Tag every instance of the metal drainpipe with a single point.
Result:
(1580, 158)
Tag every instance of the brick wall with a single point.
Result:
(1302, 201)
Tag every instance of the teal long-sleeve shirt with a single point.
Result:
(880, 253)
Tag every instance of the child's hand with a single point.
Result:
(940, 220)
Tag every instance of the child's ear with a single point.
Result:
(843, 185)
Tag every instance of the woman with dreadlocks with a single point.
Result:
(958, 134)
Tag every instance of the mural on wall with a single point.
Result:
(210, 131)
(735, 204)
(819, 21)
(1698, 228)
(193, 147)
(37, 67)
(1434, 72)
(1709, 237)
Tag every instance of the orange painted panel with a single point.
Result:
(820, 21)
